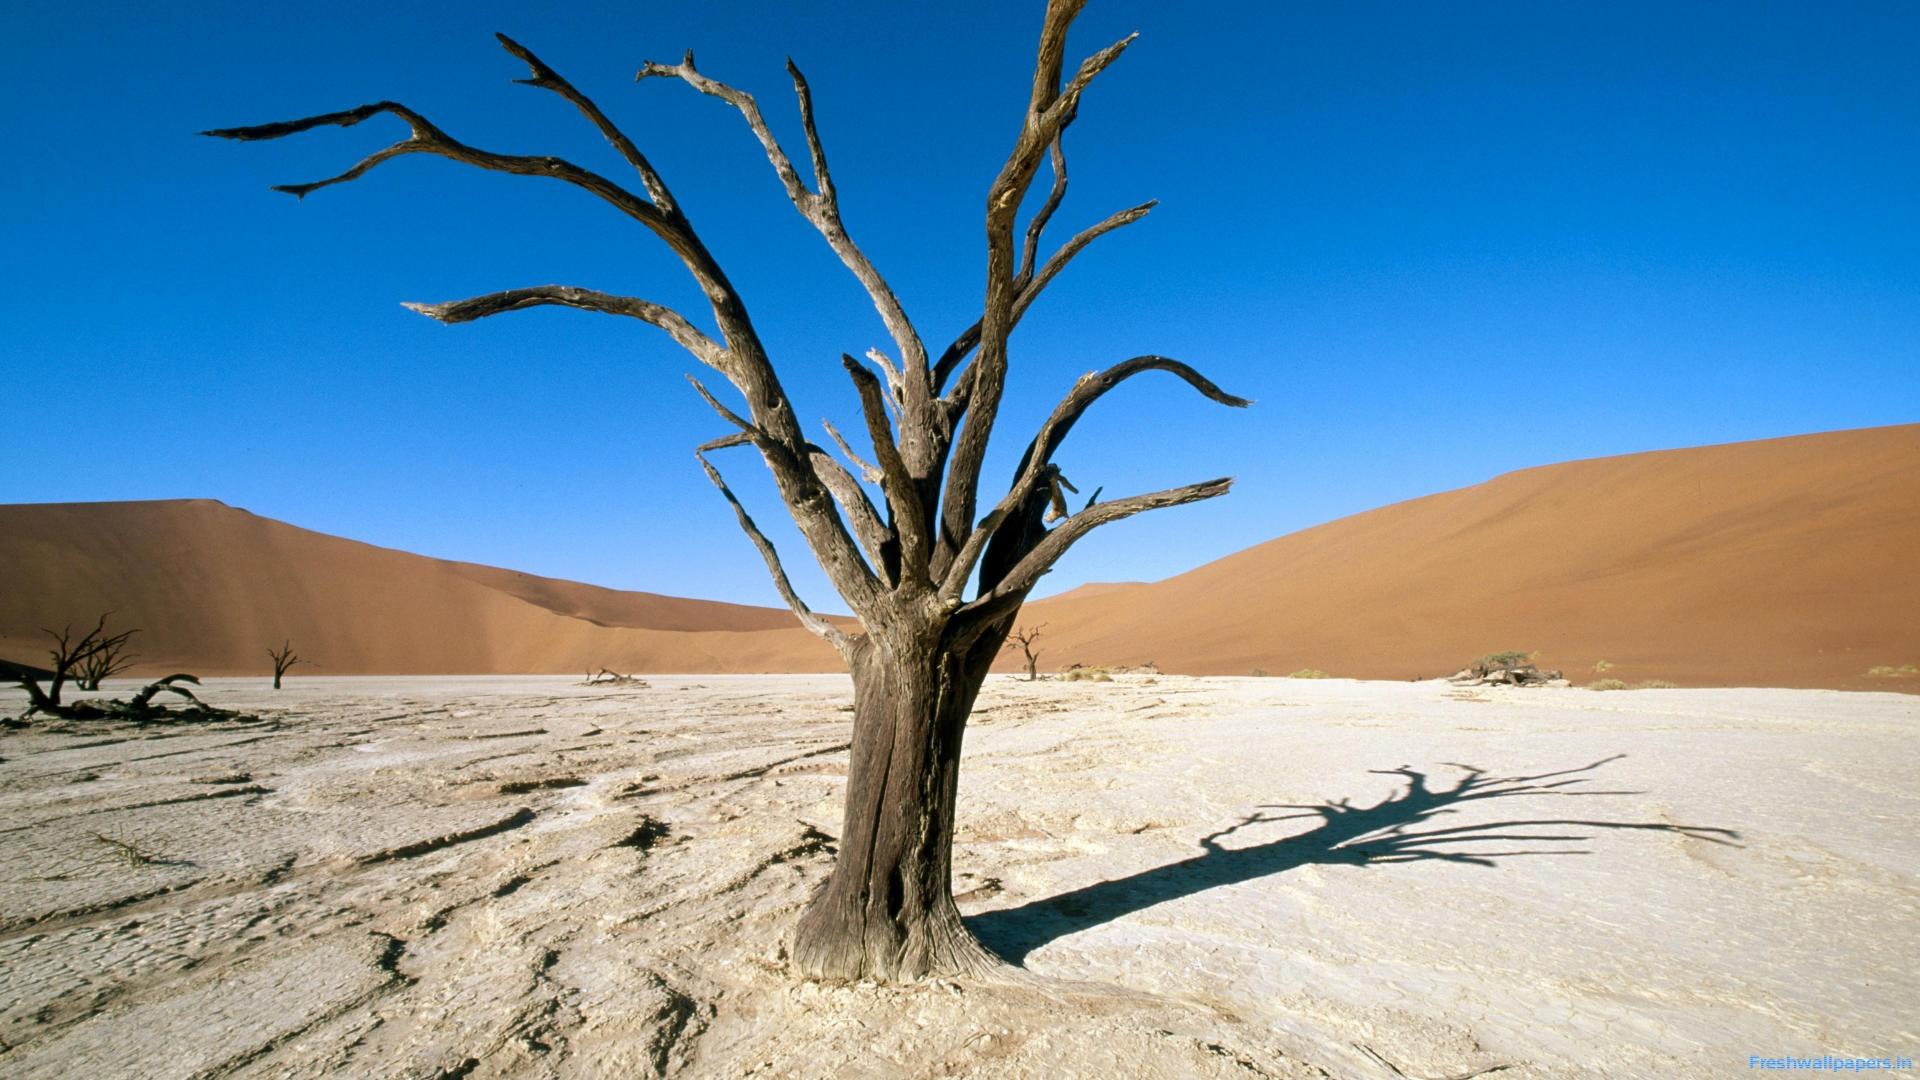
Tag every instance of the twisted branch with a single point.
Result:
(808, 618)
(1050, 110)
(690, 338)
(820, 207)
(909, 515)
(1027, 572)
(1035, 465)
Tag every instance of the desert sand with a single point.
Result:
(1786, 562)
(1197, 876)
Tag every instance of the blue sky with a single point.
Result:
(1435, 242)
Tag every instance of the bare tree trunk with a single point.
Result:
(887, 912)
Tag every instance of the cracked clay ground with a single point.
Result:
(484, 877)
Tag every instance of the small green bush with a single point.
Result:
(1309, 673)
(1606, 684)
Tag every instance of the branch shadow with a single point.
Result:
(1346, 835)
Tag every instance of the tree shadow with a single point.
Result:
(1347, 835)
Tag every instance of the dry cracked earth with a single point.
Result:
(496, 877)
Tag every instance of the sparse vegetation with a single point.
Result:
(1509, 668)
(1086, 674)
(1498, 660)
(609, 677)
(1023, 640)
(283, 660)
(1888, 671)
(1601, 667)
(138, 709)
(134, 856)
(1309, 673)
(1606, 684)
(1655, 684)
(70, 656)
(1644, 684)
(1258, 673)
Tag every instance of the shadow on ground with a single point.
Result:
(1347, 835)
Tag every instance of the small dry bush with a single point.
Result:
(1309, 673)
(1086, 674)
(1497, 660)
(1888, 671)
(1606, 684)
(1656, 684)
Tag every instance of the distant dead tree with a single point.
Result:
(609, 677)
(1025, 639)
(903, 566)
(107, 658)
(283, 660)
(69, 657)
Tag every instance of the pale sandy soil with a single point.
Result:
(1202, 877)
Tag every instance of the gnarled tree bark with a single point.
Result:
(904, 565)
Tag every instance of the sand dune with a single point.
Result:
(211, 587)
(1786, 562)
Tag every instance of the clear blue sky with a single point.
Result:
(1435, 241)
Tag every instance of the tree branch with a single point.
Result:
(909, 513)
(871, 472)
(546, 78)
(704, 348)
(1027, 572)
(821, 208)
(1036, 464)
(1038, 225)
(1031, 284)
(746, 365)
(1050, 110)
(428, 139)
(808, 618)
(879, 542)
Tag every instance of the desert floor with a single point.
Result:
(1199, 876)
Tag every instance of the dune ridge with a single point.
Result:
(1783, 562)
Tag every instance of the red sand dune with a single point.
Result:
(1788, 562)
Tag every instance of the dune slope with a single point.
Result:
(1784, 562)
(211, 587)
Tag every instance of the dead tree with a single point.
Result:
(609, 677)
(904, 564)
(283, 661)
(1025, 640)
(107, 657)
(70, 659)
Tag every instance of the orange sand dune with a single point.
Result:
(1788, 562)
(211, 587)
